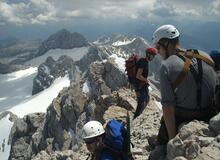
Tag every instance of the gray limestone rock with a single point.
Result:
(26, 136)
(63, 39)
(94, 54)
(214, 123)
(113, 81)
(50, 70)
(193, 142)
(21, 149)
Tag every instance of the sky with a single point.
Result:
(35, 18)
(26, 12)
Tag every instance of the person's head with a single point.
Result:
(93, 133)
(166, 40)
(150, 53)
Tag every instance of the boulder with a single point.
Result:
(214, 123)
(193, 141)
(21, 149)
(94, 54)
(26, 136)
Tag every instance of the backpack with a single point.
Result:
(216, 100)
(215, 54)
(131, 68)
(186, 57)
(117, 139)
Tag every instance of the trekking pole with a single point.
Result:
(128, 137)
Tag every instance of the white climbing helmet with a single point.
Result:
(92, 129)
(165, 31)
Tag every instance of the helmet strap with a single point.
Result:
(165, 47)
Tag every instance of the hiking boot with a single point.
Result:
(152, 141)
(159, 153)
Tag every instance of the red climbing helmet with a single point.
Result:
(152, 51)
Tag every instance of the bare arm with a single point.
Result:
(169, 118)
(140, 76)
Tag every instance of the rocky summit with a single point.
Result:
(57, 133)
(99, 91)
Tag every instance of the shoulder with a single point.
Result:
(142, 61)
(172, 62)
(106, 155)
(205, 55)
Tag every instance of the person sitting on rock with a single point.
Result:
(93, 134)
(192, 99)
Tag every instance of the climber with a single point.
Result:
(141, 86)
(93, 134)
(187, 84)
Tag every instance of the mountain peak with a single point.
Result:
(62, 32)
(63, 39)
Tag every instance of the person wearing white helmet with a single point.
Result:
(93, 134)
(166, 36)
(192, 97)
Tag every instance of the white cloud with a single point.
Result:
(215, 7)
(75, 13)
(44, 11)
(188, 10)
(8, 12)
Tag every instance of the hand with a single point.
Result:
(146, 81)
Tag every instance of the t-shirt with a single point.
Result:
(143, 63)
(185, 95)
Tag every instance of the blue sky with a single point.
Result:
(20, 17)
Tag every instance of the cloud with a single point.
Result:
(188, 10)
(45, 11)
(8, 12)
(164, 9)
(35, 11)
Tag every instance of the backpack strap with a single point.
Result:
(194, 53)
(186, 57)
(182, 75)
(197, 75)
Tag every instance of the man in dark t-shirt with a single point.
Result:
(141, 87)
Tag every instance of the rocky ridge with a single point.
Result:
(51, 69)
(60, 128)
(56, 134)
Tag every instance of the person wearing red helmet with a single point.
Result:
(141, 87)
(150, 53)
